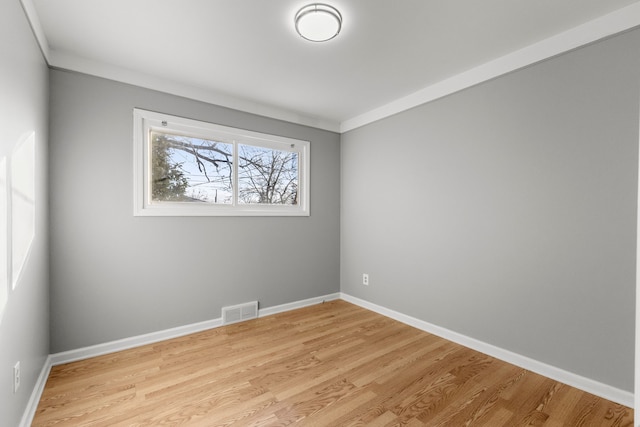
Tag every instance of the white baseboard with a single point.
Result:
(140, 340)
(594, 387)
(32, 405)
(582, 383)
(153, 337)
(297, 304)
(131, 342)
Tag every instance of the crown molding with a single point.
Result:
(36, 27)
(62, 60)
(605, 26)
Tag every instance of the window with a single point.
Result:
(186, 167)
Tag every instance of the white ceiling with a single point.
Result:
(246, 54)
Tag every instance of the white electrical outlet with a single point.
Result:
(365, 279)
(16, 377)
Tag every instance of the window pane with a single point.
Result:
(186, 169)
(267, 176)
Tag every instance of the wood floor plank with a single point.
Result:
(476, 398)
(333, 364)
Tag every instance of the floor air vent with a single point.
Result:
(240, 312)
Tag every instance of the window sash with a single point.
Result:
(146, 122)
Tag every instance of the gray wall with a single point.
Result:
(507, 212)
(24, 325)
(114, 275)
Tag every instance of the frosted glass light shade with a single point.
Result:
(318, 22)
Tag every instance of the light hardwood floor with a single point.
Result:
(332, 364)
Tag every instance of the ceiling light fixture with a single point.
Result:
(318, 22)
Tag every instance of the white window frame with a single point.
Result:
(146, 121)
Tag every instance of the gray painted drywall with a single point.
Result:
(24, 324)
(507, 212)
(114, 275)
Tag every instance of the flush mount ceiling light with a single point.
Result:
(318, 22)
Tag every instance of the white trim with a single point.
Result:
(594, 387)
(102, 349)
(145, 122)
(99, 69)
(140, 340)
(36, 28)
(616, 22)
(32, 405)
(297, 304)
(154, 337)
(608, 25)
(132, 342)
